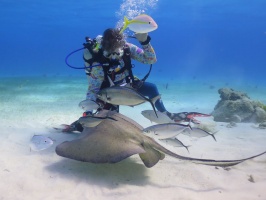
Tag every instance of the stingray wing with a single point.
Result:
(102, 144)
(151, 157)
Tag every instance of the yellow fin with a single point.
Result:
(126, 23)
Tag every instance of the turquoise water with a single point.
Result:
(52, 100)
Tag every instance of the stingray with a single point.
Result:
(115, 140)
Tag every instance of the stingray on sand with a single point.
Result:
(114, 140)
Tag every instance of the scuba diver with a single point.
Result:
(110, 57)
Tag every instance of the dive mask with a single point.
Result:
(115, 55)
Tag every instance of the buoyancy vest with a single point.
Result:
(107, 64)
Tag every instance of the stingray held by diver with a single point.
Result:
(112, 141)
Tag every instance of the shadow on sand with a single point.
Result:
(105, 175)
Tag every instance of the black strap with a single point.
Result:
(147, 75)
(147, 41)
(107, 64)
(128, 66)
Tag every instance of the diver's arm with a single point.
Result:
(94, 75)
(146, 55)
(95, 78)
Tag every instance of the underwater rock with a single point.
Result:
(262, 125)
(231, 125)
(230, 94)
(260, 114)
(236, 106)
(235, 118)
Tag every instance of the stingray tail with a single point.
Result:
(220, 163)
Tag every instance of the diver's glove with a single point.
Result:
(143, 38)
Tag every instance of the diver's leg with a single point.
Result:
(150, 90)
(111, 107)
(75, 126)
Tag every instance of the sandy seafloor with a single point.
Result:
(31, 106)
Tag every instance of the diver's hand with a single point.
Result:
(141, 37)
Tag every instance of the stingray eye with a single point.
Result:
(108, 98)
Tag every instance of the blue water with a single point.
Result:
(201, 46)
(196, 39)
